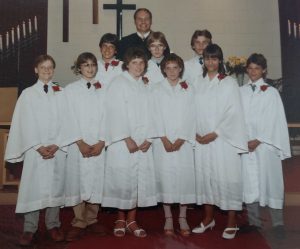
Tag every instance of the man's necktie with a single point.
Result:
(88, 85)
(46, 88)
(106, 65)
(253, 86)
(201, 60)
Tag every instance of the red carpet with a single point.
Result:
(152, 220)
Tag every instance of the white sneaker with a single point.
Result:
(202, 228)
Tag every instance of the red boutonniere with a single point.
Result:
(97, 85)
(183, 85)
(56, 88)
(221, 76)
(264, 87)
(115, 63)
(145, 80)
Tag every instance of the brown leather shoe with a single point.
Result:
(26, 239)
(97, 228)
(56, 234)
(74, 234)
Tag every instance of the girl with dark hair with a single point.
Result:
(129, 174)
(85, 162)
(220, 139)
(173, 151)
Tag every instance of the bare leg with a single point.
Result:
(168, 216)
(209, 214)
(231, 222)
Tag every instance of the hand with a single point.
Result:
(177, 144)
(208, 138)
(97, 148)
(144, 147)
(131, 145)
(52, 148)
(198, 138)
(45, 152)
(84, 148)
(167, 144)
(252, 144)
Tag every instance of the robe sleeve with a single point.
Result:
(69, 131)
(231, 125)
(23, 134)
(273, 128)
(187, 129)
(116, 115)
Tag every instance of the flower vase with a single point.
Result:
(240, 78)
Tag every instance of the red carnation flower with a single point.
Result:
(56, 88)
(184, 85)
(97, 85)
(145, 79)
(264, 87)
(221, 76)
(115, 63)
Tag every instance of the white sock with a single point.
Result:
(182, 218)
(169, 218)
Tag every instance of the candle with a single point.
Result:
(29, 25)
(18, 32)
(7, 39)
(35, 23)
(24, 30)
(295, 30)
(12, 36)
(1, 44)
(289, 27)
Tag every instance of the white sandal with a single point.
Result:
(120, 232)
(226, 235)
(139, 232)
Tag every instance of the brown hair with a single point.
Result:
(172, 58)
(83, 58)
(133, 53)
(198, 33)
(158, 36)
(43, 57)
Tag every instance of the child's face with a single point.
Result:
(88, 70)
(172, 71)
(45, 71)
(212, 64)
(108, 51)
(200, 43)
(157, 49)
(255, 72)
(136, 67)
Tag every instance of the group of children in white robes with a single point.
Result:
(134, 133)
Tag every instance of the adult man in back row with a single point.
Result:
(143, 22)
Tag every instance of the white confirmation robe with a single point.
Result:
(218, 164)
(192, 70)
(154, 73)
(85, 176)
(129, 177)
(262, 169)
(175, 115)
(38, 120)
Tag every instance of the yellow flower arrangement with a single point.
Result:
(236, 65)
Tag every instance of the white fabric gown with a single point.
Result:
(85, 176)
(218, 164)
(175, 171)
(192, 70)
(154, 73)
(262, 169)
(38, 120)
(129, 177)
(105, 76)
